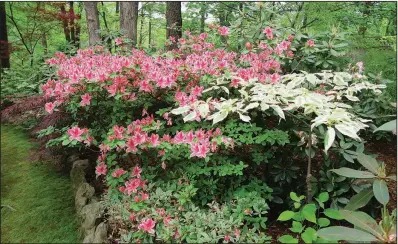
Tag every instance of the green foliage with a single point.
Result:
(366, 228)
(376, 173)
(306, 221)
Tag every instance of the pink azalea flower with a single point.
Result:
(132, 185)
(237, 233)
(154, 140)
(147, 225)
(101, 169)
(167, 220)
(223, 31)
(163, 165)
(118, 131)
(227, 238)
(268, 32)
(118, 41)
(118, 172)
(75, 133)
(136, 172)
(49, 107)
(310, 43)
(131, 146)
(144, 196)
(86, 98)
(248, 45)
(160, 211)
(179, 137)
(132, 217)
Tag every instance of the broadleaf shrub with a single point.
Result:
(185, 138)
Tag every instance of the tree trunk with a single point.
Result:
(72, 23)
(108, 41)
(92, 22)
(150, 30)
(4, 53)
(77, 29)
(65, 24)
(202, 18)
(173, 22)
(44, 43)
(128, 20)
(141, 26)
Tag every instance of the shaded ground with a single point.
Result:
(387, 153)
(42, 198)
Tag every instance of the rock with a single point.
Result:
(89, 236)
(101, 233)
(78, 174)
(90, 214)
(83, 195)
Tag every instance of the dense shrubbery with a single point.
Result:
(189, 140)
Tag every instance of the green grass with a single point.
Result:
(42, 198)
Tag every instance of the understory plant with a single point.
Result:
(306, 220)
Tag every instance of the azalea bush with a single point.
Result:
(185, 139)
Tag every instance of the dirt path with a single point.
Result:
(42, 198)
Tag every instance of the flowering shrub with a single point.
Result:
(173, 177)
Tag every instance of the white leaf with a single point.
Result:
(244, 117)
(251, 106)
(278, 110)
(203, 109)
(225, 89)
(312, 79)
(180, 110)
(219, 116)
(191, 116)
(329, 138)
(348, 130)
(352, 98)
(339, 80)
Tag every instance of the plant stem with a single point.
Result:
(309, 187)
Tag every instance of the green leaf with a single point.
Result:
(309, 235)
(329, 138)
(286, 215)
(294, 197)
(309, 212)
(288, 239)
(352, 173)
(323, 222)
(297, 227)
(65, 142)
(363, 221)
(389, 126)
(323, 197)
(380, 190)
(333, 214)
(338, 233)
(368, 162)
(359, 200)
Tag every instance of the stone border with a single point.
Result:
(88, 207)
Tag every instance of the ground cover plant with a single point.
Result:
(202, 138)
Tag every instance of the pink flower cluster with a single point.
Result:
(75, 133)
(139, 72)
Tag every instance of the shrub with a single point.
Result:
(151, 118)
